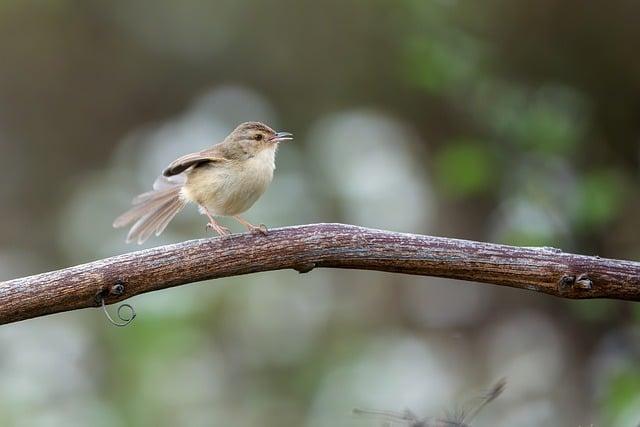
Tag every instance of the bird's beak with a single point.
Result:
(281, 136)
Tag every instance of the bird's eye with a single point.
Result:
(258, 137)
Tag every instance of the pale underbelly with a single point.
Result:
(226, 192)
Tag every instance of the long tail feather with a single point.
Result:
(151, 213)
(143, 229)
(142, 208)
(177, 205)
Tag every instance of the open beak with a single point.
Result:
(281, 136)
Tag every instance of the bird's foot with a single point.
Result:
(262, 229)
(223, 231)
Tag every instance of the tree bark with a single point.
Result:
(306, 247)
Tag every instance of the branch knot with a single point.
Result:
(568, 282)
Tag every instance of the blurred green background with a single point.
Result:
(513, 121)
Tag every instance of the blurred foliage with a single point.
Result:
(465, 168)
(601, 197)
(507, 121)
(622, 398)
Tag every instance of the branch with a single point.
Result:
(306, 247)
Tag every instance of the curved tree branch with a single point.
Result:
(306, 247)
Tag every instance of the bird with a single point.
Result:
(223, 180)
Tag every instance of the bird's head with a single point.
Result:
(256, 136)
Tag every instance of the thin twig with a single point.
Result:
(306, 247)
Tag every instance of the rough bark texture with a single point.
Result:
(307, 247)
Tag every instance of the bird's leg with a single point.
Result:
(213, 224)
(262, 229)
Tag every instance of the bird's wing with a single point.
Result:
(193, 159)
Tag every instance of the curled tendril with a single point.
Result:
(125, 320)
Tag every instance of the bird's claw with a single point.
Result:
(262, 229)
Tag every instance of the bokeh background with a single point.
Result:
(512, 121)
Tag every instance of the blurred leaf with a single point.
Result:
(465, 168)
(547, 130)
(600, 198)
(438, 67)
(548, 120)
(622, 398)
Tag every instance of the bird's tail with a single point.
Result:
(151, 212)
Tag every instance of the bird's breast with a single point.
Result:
(231, 188)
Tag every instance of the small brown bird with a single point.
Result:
(224, 180)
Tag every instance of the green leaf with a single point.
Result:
(465, 168)
(437, 67)
(622, 396)
(600, 198)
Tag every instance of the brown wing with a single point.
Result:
(193, 159)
